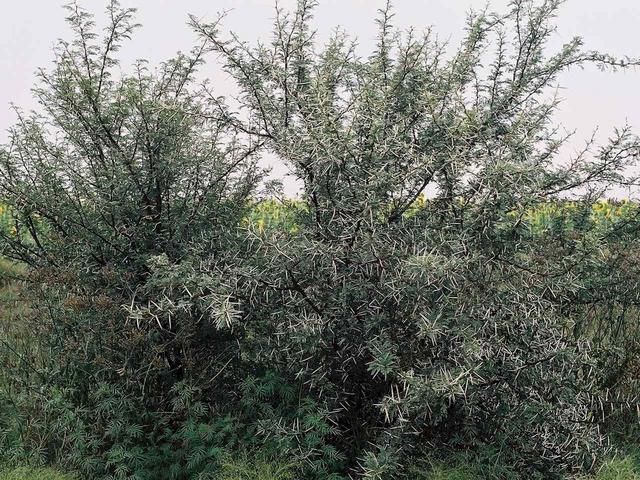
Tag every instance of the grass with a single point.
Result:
(621, 468)
(15, 338)
(28, 473)
(242, 469)
(11, 305)
(246, 469)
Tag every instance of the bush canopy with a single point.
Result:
(447, 280)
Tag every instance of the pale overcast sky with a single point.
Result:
(30, 28)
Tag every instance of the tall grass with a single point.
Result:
(28, 473)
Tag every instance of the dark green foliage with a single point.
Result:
(180, 326)
(293, 427)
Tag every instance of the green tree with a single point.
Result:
(444, 326)
(119, 173)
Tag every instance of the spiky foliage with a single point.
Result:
(447, 326)
(179, 315)
(119, 167)
(115, 175)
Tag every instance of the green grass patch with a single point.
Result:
(244, 468)
(29, 473)
(620, 468)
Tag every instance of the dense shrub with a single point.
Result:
(117, 175)
(447, 326)
(179, 316)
